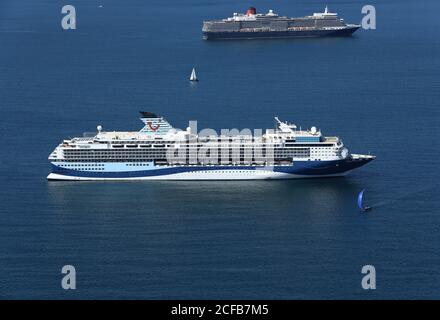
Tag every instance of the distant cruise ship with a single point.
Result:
(253, 25)
(160, 152)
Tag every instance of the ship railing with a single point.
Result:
(333, 28)
(255, 30)
(300, 28)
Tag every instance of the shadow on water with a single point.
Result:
(301, 196)
(250, 43)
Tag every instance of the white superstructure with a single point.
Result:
(159, 151)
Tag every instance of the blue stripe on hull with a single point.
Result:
(278, 34)
(304, 168)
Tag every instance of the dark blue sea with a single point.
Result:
(301, 239)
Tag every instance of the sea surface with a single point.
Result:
(301, 239)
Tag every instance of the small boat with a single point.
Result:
(360, 202)
(193, 76)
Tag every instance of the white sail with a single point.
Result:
(193, 76)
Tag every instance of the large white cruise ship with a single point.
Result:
(160, 152)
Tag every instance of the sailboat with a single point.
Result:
(360, 202)
(193, 76)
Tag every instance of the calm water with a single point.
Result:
(379, 91)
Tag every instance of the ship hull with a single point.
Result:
(299, 169)
(228, 35)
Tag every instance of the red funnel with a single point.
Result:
(251, 11)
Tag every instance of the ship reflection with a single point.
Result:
(301, 196)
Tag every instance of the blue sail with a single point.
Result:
(360, 198)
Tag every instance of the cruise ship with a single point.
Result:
(270, 25)
(160, 152)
